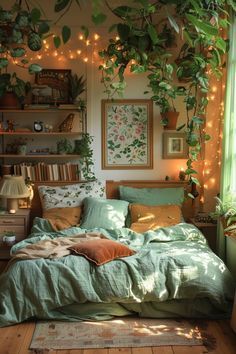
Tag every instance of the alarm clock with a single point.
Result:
(38, 126)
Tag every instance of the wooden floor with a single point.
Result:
(220, 340)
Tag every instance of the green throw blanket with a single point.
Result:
(174, 273)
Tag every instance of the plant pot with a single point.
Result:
(9, 101)
(171, 119)
(21, 149)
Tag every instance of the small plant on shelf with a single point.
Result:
(64, 146)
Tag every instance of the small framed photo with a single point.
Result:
(174, 146)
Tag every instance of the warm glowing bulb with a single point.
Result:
(44, 41)
(88, 42)
(117, 38)
(212, 180)
(214, 88)
(55, 54)
(96, 36)
(209, 124)
(71, 56)
(39, 56)
(78, 51)
(81, 37)
(205, 186)
(86, 60)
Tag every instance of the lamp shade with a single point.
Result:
(12, 187)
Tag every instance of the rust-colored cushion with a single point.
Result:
(145, 217)
(101, 251)
(62, 218)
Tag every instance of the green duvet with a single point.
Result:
(173, 273)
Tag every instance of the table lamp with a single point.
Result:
(12, 188)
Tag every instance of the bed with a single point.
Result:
(169, 271)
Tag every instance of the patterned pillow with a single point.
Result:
(70, 195)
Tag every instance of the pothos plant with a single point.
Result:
(84, 150)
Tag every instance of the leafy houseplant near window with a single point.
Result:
(226, 212)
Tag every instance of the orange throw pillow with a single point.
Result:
(101, 251)
(62, 218)
(145, 217)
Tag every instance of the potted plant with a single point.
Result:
(9, 238)
(226, 212)
(64, 146)
(76, 86)
(13, 91)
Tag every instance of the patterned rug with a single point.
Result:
(122, 332)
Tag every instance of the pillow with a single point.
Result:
(145, 217)
(101, 251)
(62, 218)
(70, 195)
(152, 196)
(105, 213)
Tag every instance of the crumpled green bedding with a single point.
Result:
(174, 273)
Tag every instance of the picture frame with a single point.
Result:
(127, 134)
(51, 87)
(174, 146)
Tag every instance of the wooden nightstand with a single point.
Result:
(209, 230)
(19, 223)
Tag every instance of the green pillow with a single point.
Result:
(104, 213)
(152, 196)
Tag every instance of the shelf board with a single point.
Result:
(46, 110)
(39, 156)
(39, 133)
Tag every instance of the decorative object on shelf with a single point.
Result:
(174, 146)
(13, 91)
(48, 128)
(18, 146)
(35, 150)
(167, 178)
(12, 188)
(41, 93)
(182, 174)
(127, 134)
(10, 126)
(21, 149)
(9, 238)
(76, 86)
(58, 81)
(64, 146)
(38, 126)
(67, 124)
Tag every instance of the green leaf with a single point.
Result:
(66, 33)
(191, 196)
(3, 62)
(202, 26)
(173, 23)
(24, 61)
(112, 28)
(34, 68)
(57, 41)
(195, 180)
(85, 31)
(43, 27)
(99, 18)
(152, 33)
(221, 44)
(207, 137)
(35, 15)
(17, 52)
(61, 5)
(123, 31)
(123, 11)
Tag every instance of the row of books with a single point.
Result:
(48, 172)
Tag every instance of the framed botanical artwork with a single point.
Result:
(127, 134)
(51, 86)
(174, 146)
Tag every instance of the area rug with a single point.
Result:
(122, 332)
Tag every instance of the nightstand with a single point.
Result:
(209, 230)
(19, 223)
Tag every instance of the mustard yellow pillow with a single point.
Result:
(145, 217)
(62, 218)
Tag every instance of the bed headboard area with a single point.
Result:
(112, 192)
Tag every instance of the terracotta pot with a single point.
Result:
(172, 118)
(9, 101)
